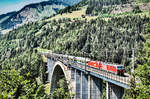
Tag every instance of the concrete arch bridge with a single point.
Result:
(84, 81)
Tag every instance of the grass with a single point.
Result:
(75, 14)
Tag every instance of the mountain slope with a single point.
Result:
(34, 12)
(5, 16)
(69, 2)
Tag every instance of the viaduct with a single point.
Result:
(84, 81)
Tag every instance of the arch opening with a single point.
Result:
(58, 74)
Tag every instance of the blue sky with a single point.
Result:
(14, 5)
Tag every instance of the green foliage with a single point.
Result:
(62, 92)
(99, 6)
(118, 35)
(143, 1)
(13, 85)
(140, 83)
(116, 15)
(137, 9)
(143, 73)
(21, 81)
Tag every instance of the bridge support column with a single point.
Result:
(81, 85)
(114, 91)
(78, 84)
(50, 64)
(95, 88)
(84, 86)
(73, 81)
(89, 86)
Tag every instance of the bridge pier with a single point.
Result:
(84, 86)
(95, 88)
(73, 80)
(114, 91)
(78, 85)
(50, 64)
(87, 86)
(81, 85)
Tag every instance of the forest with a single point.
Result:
(109, 40)
(117, 35)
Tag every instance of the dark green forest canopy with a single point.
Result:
(96, 7)
(18, 76)
(140, 82)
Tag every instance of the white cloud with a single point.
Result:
(16, 7)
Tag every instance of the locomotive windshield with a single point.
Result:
(120, 67)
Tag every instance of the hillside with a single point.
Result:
(6, 16)
(34, 12)
(74, 35)
(103, 36)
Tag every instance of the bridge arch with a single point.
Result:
(59, 71)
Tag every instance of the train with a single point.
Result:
(113, 68)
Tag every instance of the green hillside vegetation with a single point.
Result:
(108, 40)
(141, 90)
(142, 1)
(118, 35)
(76, 7)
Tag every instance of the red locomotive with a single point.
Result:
(117, 69)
